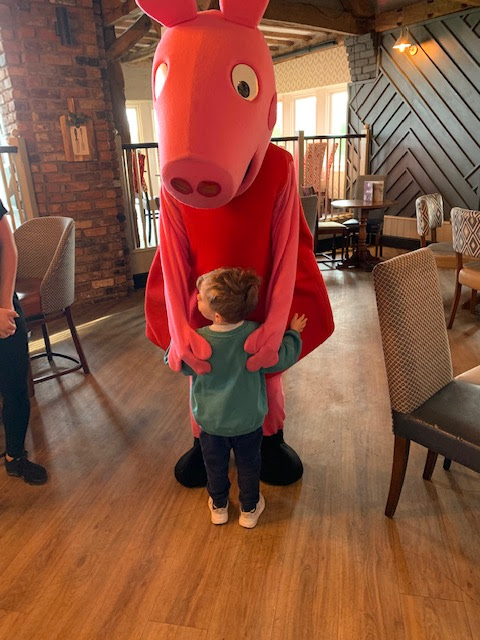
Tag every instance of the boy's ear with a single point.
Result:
(217, 318)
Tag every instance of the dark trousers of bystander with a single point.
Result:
(216, 455)
(14, 386)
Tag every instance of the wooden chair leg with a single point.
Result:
(458, 290)
(399, 466)
(446, 464)
(473, 301)
(76, 340)
(429, 464)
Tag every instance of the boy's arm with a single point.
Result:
(185, 369)
(288, 353)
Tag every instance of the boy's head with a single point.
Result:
(231, 292)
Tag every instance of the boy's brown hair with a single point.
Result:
(231, 291)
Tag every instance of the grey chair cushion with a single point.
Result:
(448, 423)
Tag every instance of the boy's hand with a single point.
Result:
(7, 322)
(298, 323)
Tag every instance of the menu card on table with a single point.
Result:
(373, 191)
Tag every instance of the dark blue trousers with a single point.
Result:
(216, 455)
(14, 386)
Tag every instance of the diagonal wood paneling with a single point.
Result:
(424, 111)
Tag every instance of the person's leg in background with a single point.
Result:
(16, 403)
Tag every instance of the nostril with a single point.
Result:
(209, 189)
(181, 185)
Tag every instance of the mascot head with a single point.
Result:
(214, 98)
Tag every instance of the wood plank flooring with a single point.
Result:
(114, 548)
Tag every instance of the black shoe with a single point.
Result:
(280, 463)
(29, 471)
(190, 469)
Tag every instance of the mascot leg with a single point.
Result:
(190, 469)
(280, 463)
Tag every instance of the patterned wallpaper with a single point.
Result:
(317, 69)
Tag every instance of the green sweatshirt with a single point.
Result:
(230, 400)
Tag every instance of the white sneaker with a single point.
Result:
(219, 515)
(249, 519)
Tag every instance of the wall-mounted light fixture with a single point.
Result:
(404, 42)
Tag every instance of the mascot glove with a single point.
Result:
(192, 349)
(264, 344)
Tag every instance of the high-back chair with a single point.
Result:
(428, 406)
(323, 227)
(310, 210)
(46, 282)
(429, 210)
(466, 244)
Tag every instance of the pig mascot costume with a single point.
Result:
(228, 198)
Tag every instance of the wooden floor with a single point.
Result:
(113, 548)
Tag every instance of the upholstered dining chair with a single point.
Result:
(428, 406)
(46, 283)
(325, 226)
(466, 244)
(429, 211)
(310, 210)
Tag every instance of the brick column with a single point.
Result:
(362, 56)
(37, 76)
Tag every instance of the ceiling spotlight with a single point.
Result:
(404, 42)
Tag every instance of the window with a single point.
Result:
(278, 128)
(306, 115)
(338, 113)
(132, 117)
(319, 111)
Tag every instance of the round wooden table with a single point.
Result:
(361, 258)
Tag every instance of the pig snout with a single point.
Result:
(197, 183)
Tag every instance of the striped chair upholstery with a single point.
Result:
(466, 244)
(428, 405)
(429, 210)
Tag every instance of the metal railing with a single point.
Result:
(329, 163)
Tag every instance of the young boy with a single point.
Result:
(230, 402)
(14, 364)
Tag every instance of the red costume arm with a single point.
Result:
(265, 341)
(186, 345)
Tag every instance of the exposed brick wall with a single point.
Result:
(37, 76)
(362, 56)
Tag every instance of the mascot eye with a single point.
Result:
(160, 77)
(245, 82)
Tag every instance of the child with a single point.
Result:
(14, 364)
(230, 402)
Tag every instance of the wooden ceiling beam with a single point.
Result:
(295, 13)
(359, 8)
(113, 10)
(285, 36)
(420, 12)
(127, 40)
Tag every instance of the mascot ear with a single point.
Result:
(246, 12)
(169, 12)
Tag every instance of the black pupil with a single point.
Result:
(243, 89)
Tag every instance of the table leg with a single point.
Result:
(361, 258)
